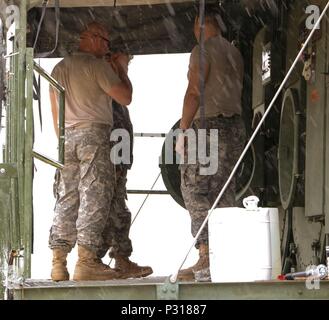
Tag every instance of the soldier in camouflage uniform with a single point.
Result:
(223, 89)
(116, 232)
(84, 187)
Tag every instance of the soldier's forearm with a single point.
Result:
(124, 77)
(191, 104)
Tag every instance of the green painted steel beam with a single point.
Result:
(28, 169)
(20, 47)
(19, 105)
(146, 289)
(11, 152)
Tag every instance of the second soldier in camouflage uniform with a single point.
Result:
(223, 75)
(116, 232)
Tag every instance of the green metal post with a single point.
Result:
(28, 181)
(21, 47)
(16, 129)
(11, 151)
(9, 115)
(10, 126)
(5, 185)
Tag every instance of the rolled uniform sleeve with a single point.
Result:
(105, 75)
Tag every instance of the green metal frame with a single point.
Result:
(14, 213)
(159, 288)
(28, 182)
(16, 173)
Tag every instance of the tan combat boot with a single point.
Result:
(89, 267)
(129, 269)
(59, 271)
(202, 264)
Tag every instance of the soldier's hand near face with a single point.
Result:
(119, 63)
(120, 60)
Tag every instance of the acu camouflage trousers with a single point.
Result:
(200, 191)
(116, 231)
(83, 189)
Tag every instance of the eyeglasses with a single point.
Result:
(105, 39)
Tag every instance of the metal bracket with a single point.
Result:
(168, 290)
(8, 171)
